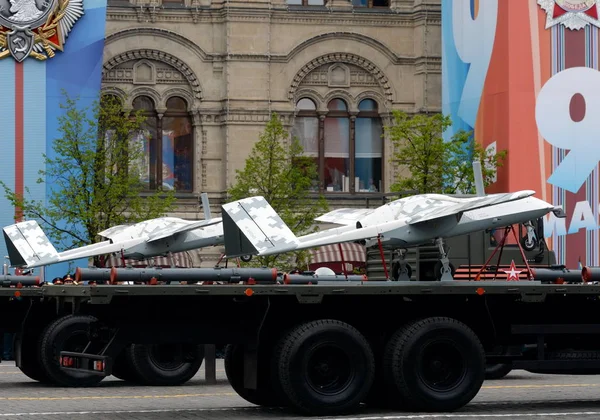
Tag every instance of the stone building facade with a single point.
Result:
(208, 73)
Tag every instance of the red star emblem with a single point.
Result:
(513, 273)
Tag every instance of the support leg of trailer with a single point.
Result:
(210, 364)
(403, 269)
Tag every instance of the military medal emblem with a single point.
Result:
(36, 28)
(573, 14)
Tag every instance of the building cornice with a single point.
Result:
(151, 12)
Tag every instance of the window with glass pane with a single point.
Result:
(306, 130)
(337, 147)
(177, 146)
(351, 159)
(368, 147)
(144, 144)
(166, 161)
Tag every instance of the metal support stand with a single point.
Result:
(210, 364)
(446, 270)
(500, 246)
(403, 269)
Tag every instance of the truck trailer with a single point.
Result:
(325, 347)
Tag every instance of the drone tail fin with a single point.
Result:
(252, 227)
(28, 246)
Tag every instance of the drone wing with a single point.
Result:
(172, 231)
(344, 216)
(459, 207)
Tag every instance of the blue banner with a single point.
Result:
(60, 51)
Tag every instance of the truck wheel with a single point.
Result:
(123, 366)
(324, 367)
(69, 333)
(263, 395)
(26, 347)
(497, 371)
(166, 364)
(435, 364)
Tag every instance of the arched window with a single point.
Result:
(348, 150)
(177, 145)
(306, 130)
(368, 144)
(171, 151)
(337, 147)
(110, 99)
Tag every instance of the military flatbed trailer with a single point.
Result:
(325, 348)
(43, 322)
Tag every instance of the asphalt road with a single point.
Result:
(519, 395)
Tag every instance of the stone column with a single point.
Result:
(352, 152)
(321, 140)
(198, 150)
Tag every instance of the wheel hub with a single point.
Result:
(329, 370)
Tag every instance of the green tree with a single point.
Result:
(277, 170)
(434, 165)
(95, 173)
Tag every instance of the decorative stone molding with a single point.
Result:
(204, 142)
(325, 17)
(196, 120)
(182, 93)
(350, 36)
(338, 75)
(158, 56)
(342, 94)
(145, 91)
(118, 92)
(204, 171)
(144, 73)
(311, 94)
(382, 104)
(158, 33)
(381, 78)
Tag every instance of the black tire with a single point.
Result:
(528, 246)
(324, 367)
(434, 364)
(69, 333)
(497, 371)
(123, 366)
(264, 394)
(26, 345)
(437, 270)
(166, 364)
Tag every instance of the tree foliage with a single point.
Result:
(94, 173)
(434, 165)
(277, 170)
